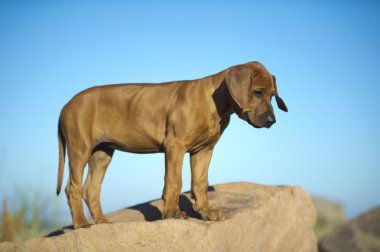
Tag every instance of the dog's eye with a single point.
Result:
(257, 93)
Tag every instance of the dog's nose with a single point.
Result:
(270, 120)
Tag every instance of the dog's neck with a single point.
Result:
(220, 97)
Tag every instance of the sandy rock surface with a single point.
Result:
(259, 218)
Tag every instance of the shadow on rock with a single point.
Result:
(150, 212)
(59, 231)
(153, 213)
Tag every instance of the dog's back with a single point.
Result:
(120, 114)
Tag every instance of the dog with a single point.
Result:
(173, 118)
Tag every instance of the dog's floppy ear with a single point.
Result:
(280, 103)
(238, 81)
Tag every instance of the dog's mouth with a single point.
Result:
(245, 117)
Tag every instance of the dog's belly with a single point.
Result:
(133, 140)
(135, 149)
(136, 145)
(130, 133)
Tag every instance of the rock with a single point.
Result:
(330, 215)
(260, 218)
(360, 234)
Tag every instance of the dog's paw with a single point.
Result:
(174, 214)
(212, 215)
(103, 221)
(83, 225)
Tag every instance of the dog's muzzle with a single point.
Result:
(269, 121)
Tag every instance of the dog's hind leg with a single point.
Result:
(97, 166)
(73, 190)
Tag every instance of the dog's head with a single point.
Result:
(251, 88)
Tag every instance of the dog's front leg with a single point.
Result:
(200, 162)
(174, 154)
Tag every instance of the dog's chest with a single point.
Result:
(211, 133)
(213, 127)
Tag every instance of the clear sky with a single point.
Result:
(325, 55)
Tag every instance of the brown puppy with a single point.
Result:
(173, 118)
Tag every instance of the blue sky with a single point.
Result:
(325, 55)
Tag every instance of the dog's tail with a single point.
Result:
(62, 152)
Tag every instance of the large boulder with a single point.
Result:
(260, 218)
(360, 234)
